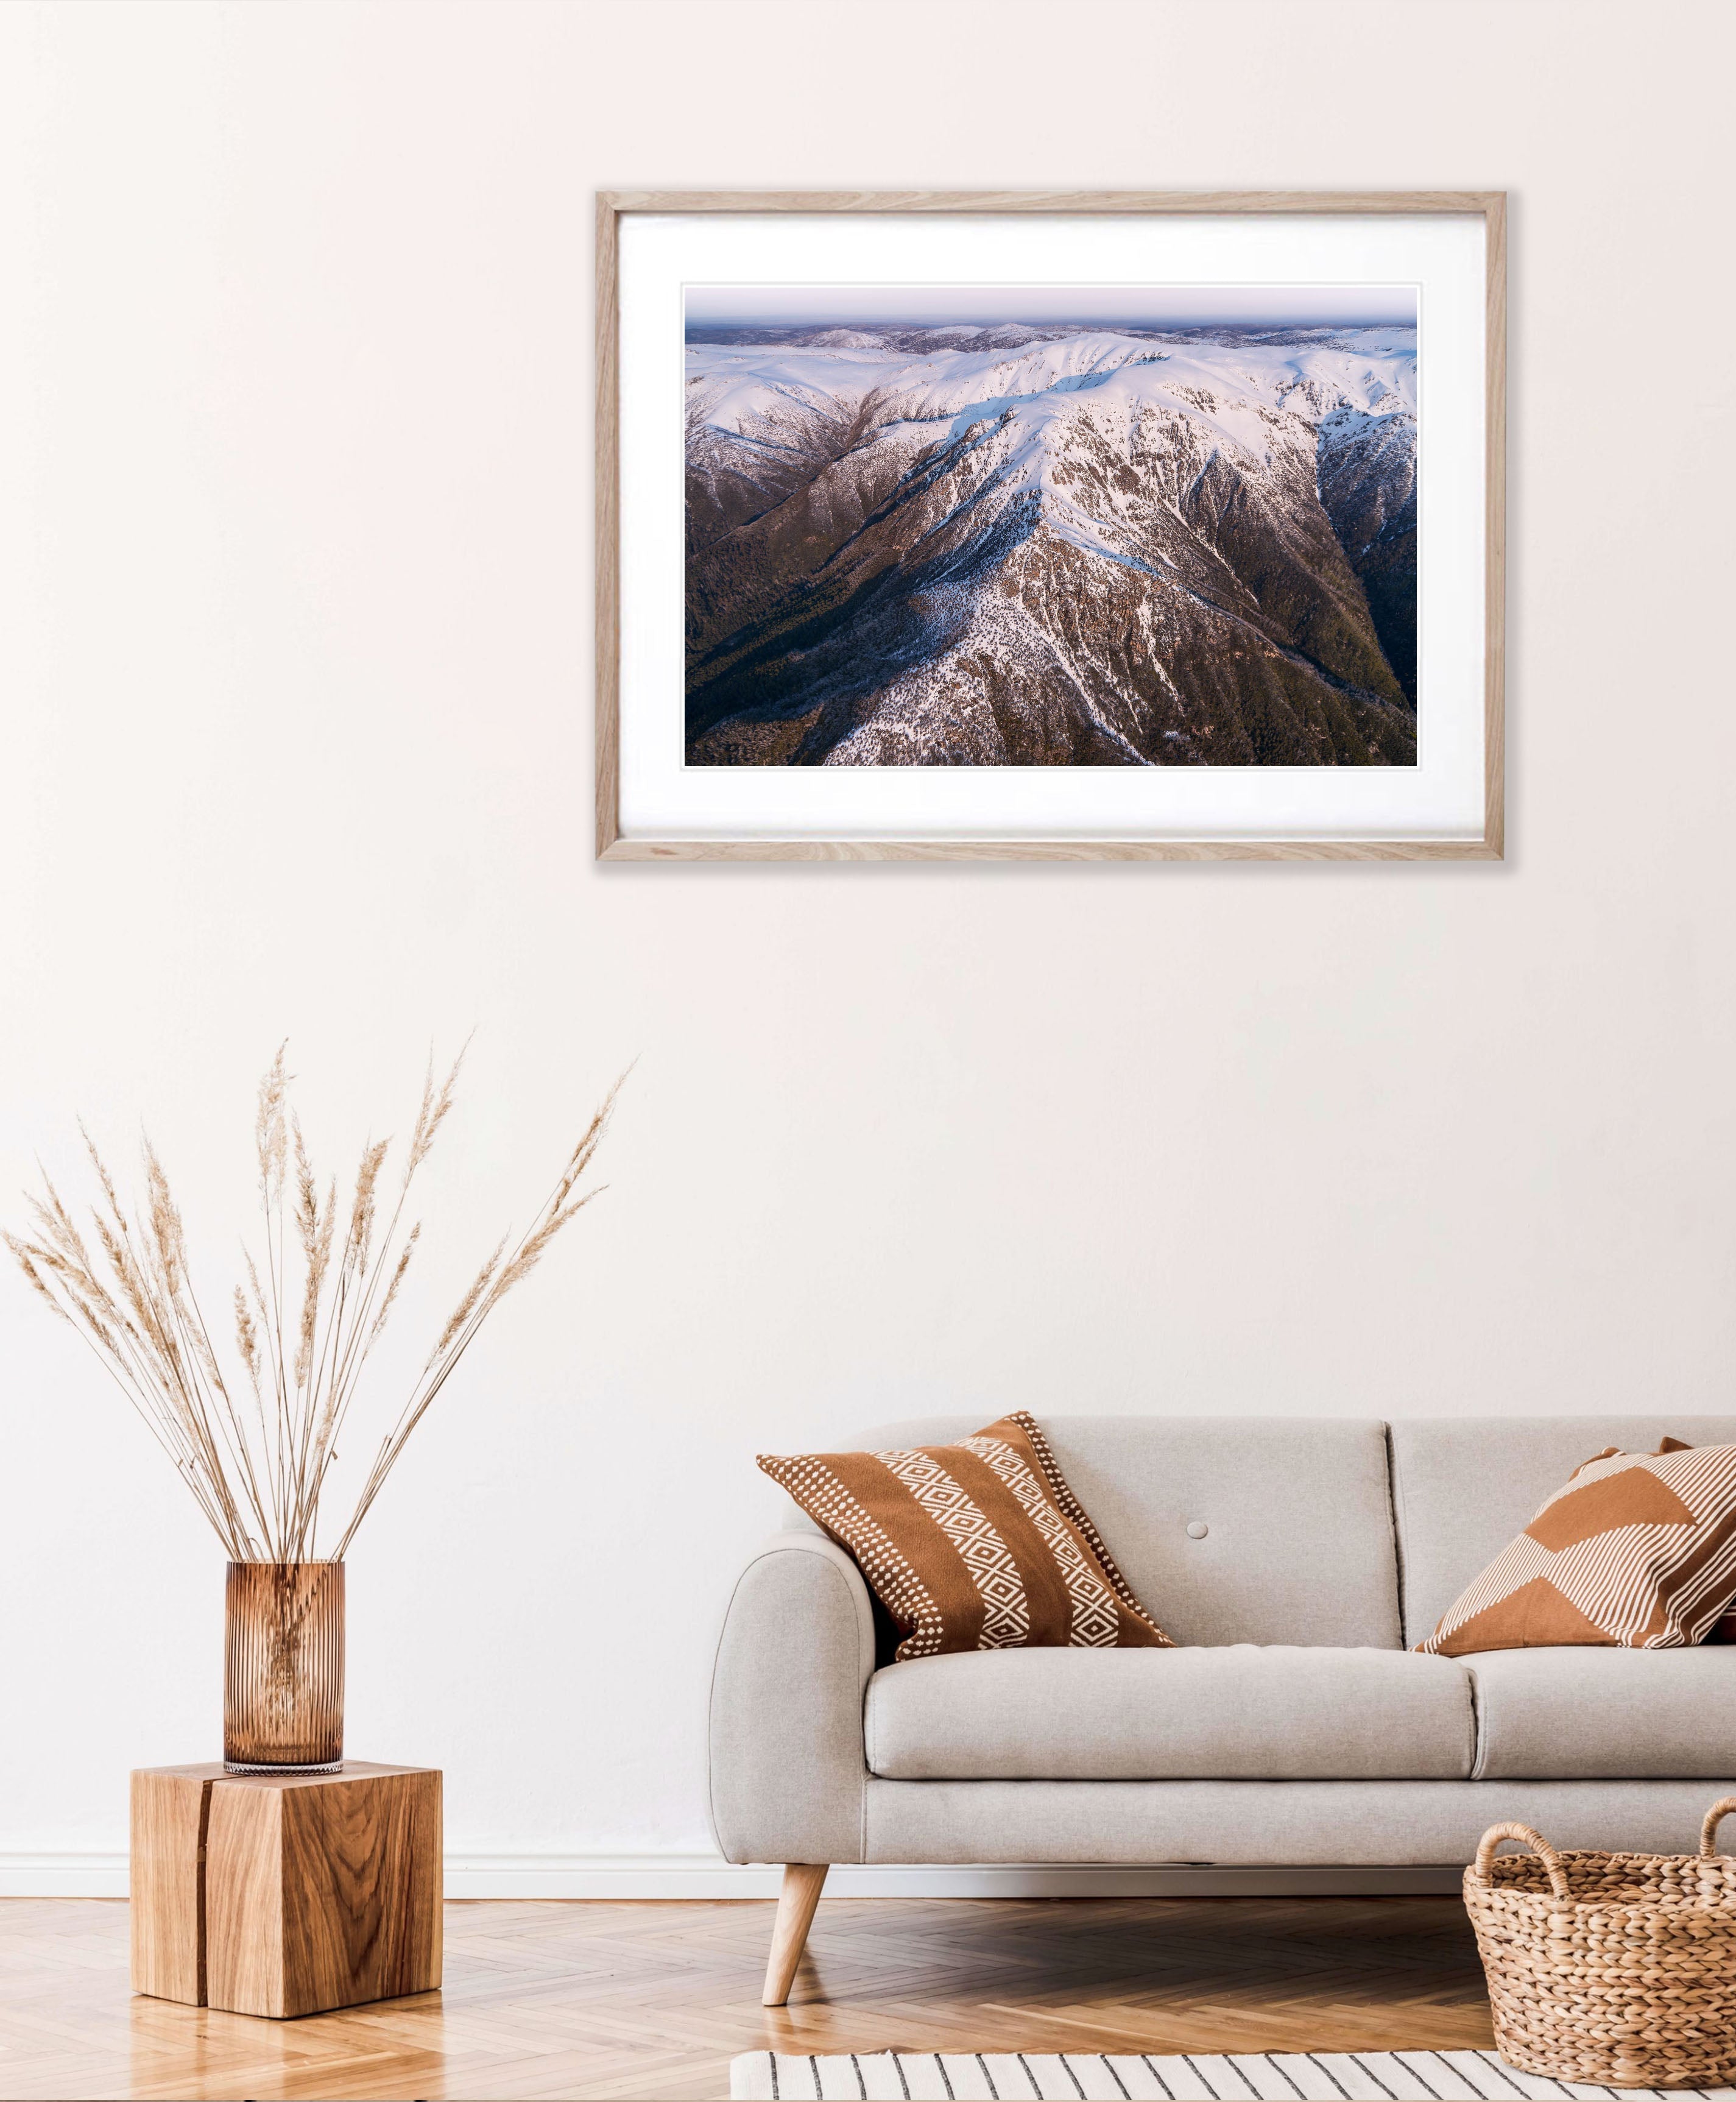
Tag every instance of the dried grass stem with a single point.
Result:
(310, 1313)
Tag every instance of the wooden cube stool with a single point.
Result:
(285, 1893)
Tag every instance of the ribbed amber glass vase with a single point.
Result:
(283, 1668)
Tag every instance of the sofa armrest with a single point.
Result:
(788, 1773)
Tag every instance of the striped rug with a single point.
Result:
(1312, 2076)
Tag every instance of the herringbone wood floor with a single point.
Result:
(651, 2000)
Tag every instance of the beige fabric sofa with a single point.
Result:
(1297, 1560)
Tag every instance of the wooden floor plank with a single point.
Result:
(614, 2001)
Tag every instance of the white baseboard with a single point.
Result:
(704, 1876)
(63, 1875)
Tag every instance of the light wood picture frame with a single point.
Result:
(1479, 836)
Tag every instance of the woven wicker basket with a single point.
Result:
(1617, 1969)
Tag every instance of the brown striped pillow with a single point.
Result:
(977, 1545)
(1723, 1629)
(1638, 1551)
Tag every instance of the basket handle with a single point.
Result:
(1709, 1830)
(1540, 1848)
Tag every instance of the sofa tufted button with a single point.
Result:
(1198, 1529)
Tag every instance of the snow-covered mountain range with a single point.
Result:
(1051, 545)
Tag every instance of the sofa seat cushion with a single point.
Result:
(1605, 1714)
(1238, 1712)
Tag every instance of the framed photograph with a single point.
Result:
(1069, 527)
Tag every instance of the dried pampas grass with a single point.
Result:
(256, 1455)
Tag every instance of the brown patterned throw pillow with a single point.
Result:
(1723, 1629)
(977, 1545)
(1638, 1551)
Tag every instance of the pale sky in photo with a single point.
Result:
(1142, 306)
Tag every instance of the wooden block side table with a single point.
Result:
(285, 1893)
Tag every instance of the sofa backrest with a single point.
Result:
(1298, 1539)
(1463, 1486)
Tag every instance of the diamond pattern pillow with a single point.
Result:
(977, 1545)
(1638, 1551)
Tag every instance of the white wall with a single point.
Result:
(295, 645)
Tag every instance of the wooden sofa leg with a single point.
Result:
(802, 1884)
